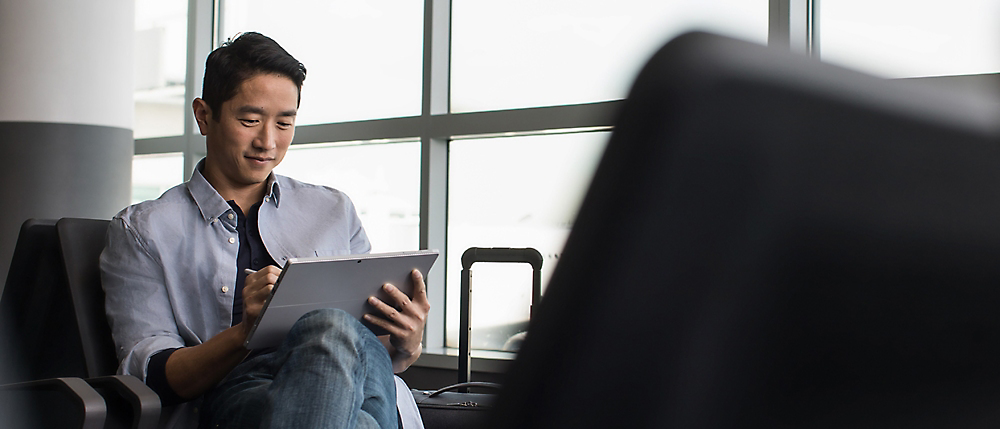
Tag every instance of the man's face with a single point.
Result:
(252, 134)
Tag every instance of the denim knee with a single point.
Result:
(329, 325)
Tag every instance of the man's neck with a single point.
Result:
(245, 199)
(245, 196)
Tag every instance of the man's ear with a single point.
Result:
(202, 115)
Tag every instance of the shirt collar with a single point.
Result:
(274, 196)
(211, 204)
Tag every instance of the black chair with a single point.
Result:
(64, 402)
(53, 311)
(773, 242)
(81, 242)
(131, 403)
(40, 360)
(37, 306)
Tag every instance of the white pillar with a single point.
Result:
(66, 111)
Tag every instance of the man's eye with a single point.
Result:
(284, 124)
(249, 122)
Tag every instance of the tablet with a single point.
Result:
(343, 282)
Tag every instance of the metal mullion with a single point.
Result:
(813, 32)
(156, 145)
(201, 29)
(792, 24)
(446, 126)
(527, 120)
(777, 24)
(392, 128)
(434, 159)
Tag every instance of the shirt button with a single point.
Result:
(231, 216)
(232, 240)
(225, 289)
(267, 199)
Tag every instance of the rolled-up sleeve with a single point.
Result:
(136, 299)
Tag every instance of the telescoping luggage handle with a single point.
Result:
(489, 254)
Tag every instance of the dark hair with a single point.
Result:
(239, 59)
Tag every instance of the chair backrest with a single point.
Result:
(770, 241)
(81, 242)
(41, 339)
(52, 308)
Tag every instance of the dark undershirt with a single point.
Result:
(253, 255)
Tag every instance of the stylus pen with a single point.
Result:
(248, 271)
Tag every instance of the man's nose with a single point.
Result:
(265, 139)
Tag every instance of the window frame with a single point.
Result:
(791, 25)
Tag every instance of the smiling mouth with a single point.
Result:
(258, 158)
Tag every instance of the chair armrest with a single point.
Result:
(35, 400)
(131, 404)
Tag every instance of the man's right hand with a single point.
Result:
(256, 290)
(191, 371)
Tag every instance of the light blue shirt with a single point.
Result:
(169, 268)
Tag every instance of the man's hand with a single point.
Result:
(192, 371)
(405, 325)
(256, 289)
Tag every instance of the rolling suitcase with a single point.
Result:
(454, 406)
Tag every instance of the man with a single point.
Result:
(180, 301)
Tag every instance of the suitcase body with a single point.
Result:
(454, 406)
(446, 408)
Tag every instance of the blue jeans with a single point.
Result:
(330, 372)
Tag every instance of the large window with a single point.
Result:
(525, 53)
(512, 192)
(362, 57)
(154, 174)
(461, 123)
(898, 38)
(382, 179)
(160, 59)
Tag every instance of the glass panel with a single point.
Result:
(383, 181)
(511, 192)
(362, 62)
(160, 60)
(896, 38)
(526, 53)
(154, 174)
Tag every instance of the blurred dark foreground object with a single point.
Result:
(774, 242)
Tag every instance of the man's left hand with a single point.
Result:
(404, 321)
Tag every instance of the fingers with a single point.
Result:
(257, 289)
(396, 318)
(404, 322)
(402, 301)
(265, 278)
(405, 303)
(407, 315)
(419, 288)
